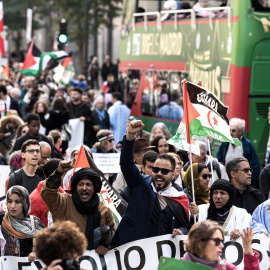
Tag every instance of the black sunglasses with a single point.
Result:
(204, 176)
(217, 241)
(163, 170)
(245, 170)
(110, 140)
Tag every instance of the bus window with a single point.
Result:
(131, 84)
(155, 92)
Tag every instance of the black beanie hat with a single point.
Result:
(222, 184)
(48, 168)
(86, 173)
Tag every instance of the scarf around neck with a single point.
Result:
(20, 227)
(90, 209)
(101, 116)
(189, 257)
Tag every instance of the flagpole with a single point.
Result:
(17, 79)
(186, 117)
(211, 164)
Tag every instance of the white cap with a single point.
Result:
(170, 4)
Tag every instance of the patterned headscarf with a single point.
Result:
(24, 195)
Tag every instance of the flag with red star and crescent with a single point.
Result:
(205, 115)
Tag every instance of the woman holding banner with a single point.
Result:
(18, 228)
(205, 243)
(201, 178)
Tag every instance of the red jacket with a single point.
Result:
(38, 206)
(251, 262)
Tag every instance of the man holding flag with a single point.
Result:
(155, 207)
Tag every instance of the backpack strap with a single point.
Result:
(18, 177)
(33, 224)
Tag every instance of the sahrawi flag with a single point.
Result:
(206, 115)
(34, 65)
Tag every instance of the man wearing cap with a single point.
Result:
(79, 109)
(155, 207)
(221, 209)
(140, 147)
(83, 206)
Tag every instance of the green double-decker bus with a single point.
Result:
(226, 47)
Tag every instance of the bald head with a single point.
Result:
(45, 152)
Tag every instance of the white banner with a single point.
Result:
(29, 15)
(144, 255)
(77, 133)
(107, 163)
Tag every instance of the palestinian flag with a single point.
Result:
(176, 264)
(206, 115)
(108, 194)
(35, 65)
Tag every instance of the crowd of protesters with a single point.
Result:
(155, 178)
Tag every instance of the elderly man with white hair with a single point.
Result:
(227, 151)
(219, 171)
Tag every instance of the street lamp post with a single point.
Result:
(86, 37)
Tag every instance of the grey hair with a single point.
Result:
(232, 164)
(203, 148)
(239, 123)
(98, 98)
(164, 129)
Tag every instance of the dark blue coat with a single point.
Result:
(248, 152)
(136, 220)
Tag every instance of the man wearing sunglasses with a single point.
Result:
(228, 151)
(26, 177)
(240, 173)
(155, 206)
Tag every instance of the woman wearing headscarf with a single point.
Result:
(18, 228)
(201, 179)
(221, 209)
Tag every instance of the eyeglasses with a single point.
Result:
(163, 170)
(46, 158)
(110, 140)
(217, 241)
(245, 170)
(32, 151)
(205, 176)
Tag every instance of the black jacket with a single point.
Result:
(249, 199)
(19, 142)
(55, 120)
(265, 181)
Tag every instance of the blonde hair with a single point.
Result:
(181, 163)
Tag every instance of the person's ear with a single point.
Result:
(142, 167)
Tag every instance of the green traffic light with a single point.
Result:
(62, 38)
